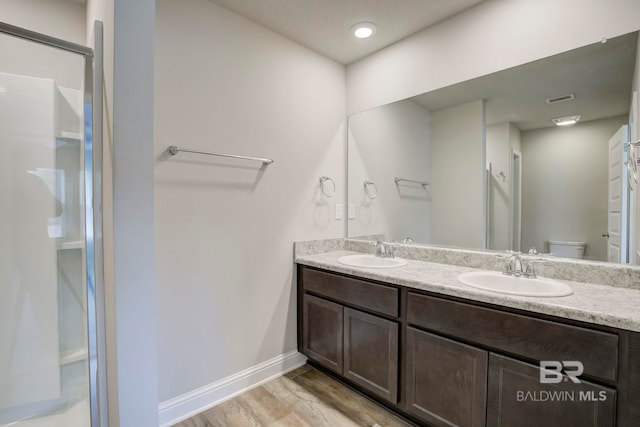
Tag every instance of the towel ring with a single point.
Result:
(331, 191)
(370, 189)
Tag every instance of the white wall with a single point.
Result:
(387, 142)
(492, 36)
(128, 187)
(133, 235)
(224, 229)
(565, 184)
(63, 19)
(457, 175)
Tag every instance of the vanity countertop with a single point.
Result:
(591, 303)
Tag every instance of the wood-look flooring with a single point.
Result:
(304, 397)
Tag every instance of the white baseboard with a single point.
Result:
(187, 405)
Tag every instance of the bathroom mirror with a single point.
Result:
(481, 164)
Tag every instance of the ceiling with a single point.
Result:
(323, 25)
(599, 75)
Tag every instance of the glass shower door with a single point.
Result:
(44, 344)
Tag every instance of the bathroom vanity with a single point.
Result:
(441, 354)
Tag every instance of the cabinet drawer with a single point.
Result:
(529, 337)
(367, 295)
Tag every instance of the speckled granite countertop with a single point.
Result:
(598, 304)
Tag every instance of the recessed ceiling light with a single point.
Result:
(363, 30)
(565, 121)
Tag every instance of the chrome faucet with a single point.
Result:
(385, 250)
(513, 265)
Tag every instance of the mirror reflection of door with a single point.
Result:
(618, 199)
(516, 200)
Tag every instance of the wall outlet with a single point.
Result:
(352, 211)
(339, 211)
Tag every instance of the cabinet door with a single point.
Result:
(518, 399)
(322, 332)
(371, 353)
(446, 381)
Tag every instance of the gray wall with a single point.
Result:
(457, 175)
(224, 230)
(565, 184)
(384, 143)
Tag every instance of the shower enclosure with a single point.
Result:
(51, 328)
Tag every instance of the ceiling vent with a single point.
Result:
(562, 98)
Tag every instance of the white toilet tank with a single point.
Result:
(567, 249)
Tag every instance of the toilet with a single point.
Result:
(567, 249)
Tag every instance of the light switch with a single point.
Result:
(339, 211)
(352, 211)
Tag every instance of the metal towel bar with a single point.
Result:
(398, 180)
(173, 150)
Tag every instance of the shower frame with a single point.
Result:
(93, 110)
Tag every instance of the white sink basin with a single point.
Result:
(371, 261)
(504, 284)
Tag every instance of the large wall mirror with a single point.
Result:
(483, 164)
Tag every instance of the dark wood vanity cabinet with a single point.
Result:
(443, 361)
(322, 331)
(529, 337)
(371, 353)
(359, 346)
(517, 398)
(445, 381)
